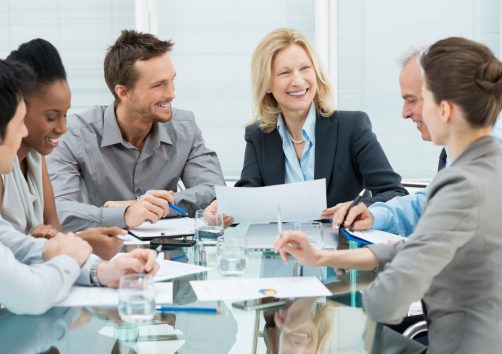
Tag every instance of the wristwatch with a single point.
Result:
(94, 273)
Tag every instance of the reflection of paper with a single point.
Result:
(376, 236)
(96, 296)
(245, 289)
(165, 227)
(149, 332)
(298, 201)
(171, 270)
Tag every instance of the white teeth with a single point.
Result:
(298, 93)
(52, 140)
(164, 105)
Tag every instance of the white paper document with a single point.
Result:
(375, 236)
(300, 201)
(164, 227)
(171, 270)
(97, 296)
(246, 289)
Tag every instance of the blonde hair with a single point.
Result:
(266, 107)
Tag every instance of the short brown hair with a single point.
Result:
(130, 47)
(468, 74)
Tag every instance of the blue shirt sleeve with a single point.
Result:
(399, 215)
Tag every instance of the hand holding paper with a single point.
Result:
(301, 201)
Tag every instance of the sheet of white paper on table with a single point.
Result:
(165, 227)
(300, 201)
(98, 296)
(171, 270)
(246, 289)
(377, 236)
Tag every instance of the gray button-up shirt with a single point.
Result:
(94, 164)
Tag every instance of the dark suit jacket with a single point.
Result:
(347, 154)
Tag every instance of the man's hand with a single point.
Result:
(297, 244)
(212, 209)
(358, 218)
(151, 206)
(137, 261)
(103, 240)
(69, 245)
(44, 231)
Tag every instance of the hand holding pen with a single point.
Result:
(352, 214)
(150, 206)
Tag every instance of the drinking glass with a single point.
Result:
(313, 229)
(230, 256)
(136, 298)
(208, 227)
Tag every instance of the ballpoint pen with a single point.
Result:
(178, 209)
(354, 203)
(187, 309)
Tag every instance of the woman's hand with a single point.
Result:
(44, 231)
(297, 244)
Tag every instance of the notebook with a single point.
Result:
(165, 227)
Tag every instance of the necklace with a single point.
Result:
(297, 142)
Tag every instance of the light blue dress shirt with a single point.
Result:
(303, 170)
(400, 215)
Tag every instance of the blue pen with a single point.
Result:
(182, 257)
(178, 209)
(187, 309)
(174, 207)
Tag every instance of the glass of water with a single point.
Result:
(230, 256)
(313, 229)
(136, 298)
(208, 227)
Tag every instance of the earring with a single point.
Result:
(268, 91)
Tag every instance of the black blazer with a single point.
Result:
(347, 154)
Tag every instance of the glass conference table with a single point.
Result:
(335, 324)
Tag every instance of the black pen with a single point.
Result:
(354, 203)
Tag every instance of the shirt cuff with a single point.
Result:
(114, 216)
(379, 217)
(85, 273)
(70, 267)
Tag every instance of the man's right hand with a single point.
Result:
(69, 245)
(358, 218)
(151, 206)
(213, 209)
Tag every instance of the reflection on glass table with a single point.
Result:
(310, 326)
(230, 330)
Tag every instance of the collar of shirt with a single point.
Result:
(303, 170)
(308, 129)
(112, 134)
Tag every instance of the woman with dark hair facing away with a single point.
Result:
(26, 195)
(453, 260)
